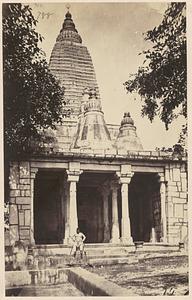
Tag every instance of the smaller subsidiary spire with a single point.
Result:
(127, 138)
(92, 130)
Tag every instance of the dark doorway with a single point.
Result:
(144, 206)
(90, 205)
(48, 223)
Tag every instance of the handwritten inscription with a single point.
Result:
(43, 15)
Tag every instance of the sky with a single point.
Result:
(113, 34)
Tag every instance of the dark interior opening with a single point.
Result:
(48, 223)
(90, 205)
(144, 206)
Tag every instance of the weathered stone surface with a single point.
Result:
(170, 209)
(24, 232)
(17, 278)
(12, 200)
(24, 181)
(14, 193)
(27, 193)
(24, 186)
(178, 210)
(13, 214)
(174, 194)
(23, 200)
(24, 169)
(172, 188)
(27, 217)
(14, 233)
(21, 217)
(179, 200)
(184, 184)
(25, 206)
(183, 195)
(22, 193)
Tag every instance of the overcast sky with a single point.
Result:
(113, 34)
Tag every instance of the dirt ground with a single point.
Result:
(61, 290)
(159, 276)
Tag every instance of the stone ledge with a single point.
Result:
(93, 285)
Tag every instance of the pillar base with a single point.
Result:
(114, 241)
(66, 241)
(163, 240)
(127, 240)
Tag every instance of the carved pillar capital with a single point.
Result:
(73, 175)
(33, 172)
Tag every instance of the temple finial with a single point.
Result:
(68, 7)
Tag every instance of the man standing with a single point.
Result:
(78, 240)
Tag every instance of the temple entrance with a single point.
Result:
(48, 223)
(90, 205)
(145, 207)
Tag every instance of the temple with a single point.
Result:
(92, 174)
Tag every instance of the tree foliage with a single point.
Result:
(162, 80)
(33, 98)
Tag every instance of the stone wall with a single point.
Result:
(20, 201)
(176, 177)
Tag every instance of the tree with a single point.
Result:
(162, 80)
(33, 98)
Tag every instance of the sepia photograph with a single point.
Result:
(95, 149)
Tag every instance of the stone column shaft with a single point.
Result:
(115, 221)
(66, 211)
(125, 221)
(73, 221)
(163, 212)
(105, 217)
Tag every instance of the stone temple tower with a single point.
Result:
(71, 63)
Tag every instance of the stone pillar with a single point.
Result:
(125, 220)
(163, 211)
(73, 177)
(66, 212)
(33, 175)
(115, 222)
(105, 195)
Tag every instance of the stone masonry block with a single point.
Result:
(14, 193)
(185, 206)
(184, 175)
(178, 210)
(24, 186)
(183, 195)
(22, 193)
(14, 233)
(27, 218)
(176, 174)
(184, 184)
(170, 209)
(174, 194)
(14, 174)
(27, 193)
(24, 181)
(12, 200)
(23, 200)
(172, 188)
(24, 232)
(25, 206)
(13, 214)
(24, 169)
(178, 200)
(21, 218)
(185, 215)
